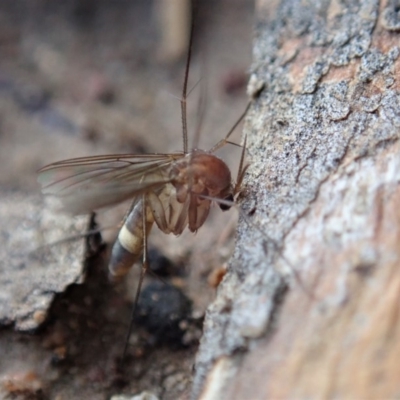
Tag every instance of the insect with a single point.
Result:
(173, 190)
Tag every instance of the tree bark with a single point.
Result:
(309, 307)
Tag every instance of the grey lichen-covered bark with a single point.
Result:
(33, 268)
(309, 306)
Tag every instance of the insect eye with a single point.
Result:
(225, 207)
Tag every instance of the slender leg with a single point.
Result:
(225, 139)
(145, 266)
(242, 169)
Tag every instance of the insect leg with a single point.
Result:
(145, 266)
(268, 240)
(241, 170)
(225, 140)
(129, 245)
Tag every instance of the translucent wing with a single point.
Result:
(89, 183)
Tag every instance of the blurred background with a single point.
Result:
(87, 77)
(83, 77)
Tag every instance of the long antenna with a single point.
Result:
(184, 91)
(201, 107)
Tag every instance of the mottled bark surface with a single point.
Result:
(323, 139)
(80, 78)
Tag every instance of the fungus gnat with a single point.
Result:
(173, 190)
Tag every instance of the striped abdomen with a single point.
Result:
(179, 203)
(128, 247)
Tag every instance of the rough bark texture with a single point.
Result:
(323, 185)
(80, 78)
(30, 272)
